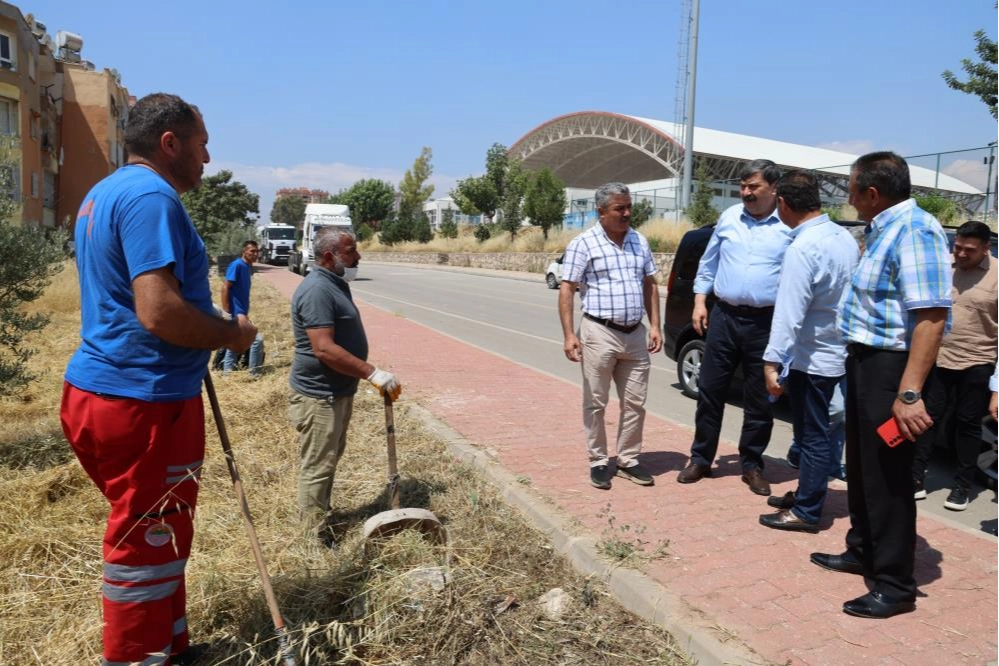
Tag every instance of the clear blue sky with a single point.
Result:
(321, 94)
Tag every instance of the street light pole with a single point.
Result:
(988, 183)
(688, 147)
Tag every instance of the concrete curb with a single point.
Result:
(639, 593)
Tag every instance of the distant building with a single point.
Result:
(434, 210)
(94, 110)
(303, 193)
(63, 120)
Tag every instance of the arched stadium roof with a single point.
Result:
(589, 148)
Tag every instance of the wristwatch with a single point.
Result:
(909, 397)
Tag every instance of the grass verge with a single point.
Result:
(405, 602)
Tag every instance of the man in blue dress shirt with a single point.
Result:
(741, 265)
(817, 269)
(892, 318)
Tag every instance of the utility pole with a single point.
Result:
(688, 144)
(988, 182)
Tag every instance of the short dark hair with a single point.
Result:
(769, 170)
(248, 243)
(886, 172)
(800, 191)
(154, 115)
(975, 229)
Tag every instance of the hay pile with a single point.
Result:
(341, 606)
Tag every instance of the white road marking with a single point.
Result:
(373, 295)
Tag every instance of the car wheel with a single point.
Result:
(688, 367)
(552, 281)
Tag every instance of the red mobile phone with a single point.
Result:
(889, 433)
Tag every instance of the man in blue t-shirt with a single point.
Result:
(131, 406)
(236, 301)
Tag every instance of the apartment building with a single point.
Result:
(305, 194)
(61, 121)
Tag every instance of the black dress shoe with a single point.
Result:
(785, 520)
(843, 563)
(878, 606)
(785, 501)
(693, 473)
(754, 479)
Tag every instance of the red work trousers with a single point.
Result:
(145, 457)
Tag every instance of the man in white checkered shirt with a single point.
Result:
(612, 267)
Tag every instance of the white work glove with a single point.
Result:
(386, 383)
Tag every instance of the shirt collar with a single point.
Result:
(627, 237)
(882, 219)
(984, 264)
(814, 222)
(772, 217)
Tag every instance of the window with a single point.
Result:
(6, 51)
(8, 117)
(34, 184)
(31, 66)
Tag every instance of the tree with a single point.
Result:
(476, 195)
(397, 229)
(641, 212)
(28, 260)
(288, 210)
(414, 188)
(701, 212)
(497, 164)
(364, 232)
(514, 188)
(370, 201)
(422, 232)
(221, 207)
(482, 233)
(939, 207)
(544, 201)
(448, 228)
(981, 75)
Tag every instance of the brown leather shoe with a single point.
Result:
(786, 520)
(754, 478)
(785, 501)
(693, 473)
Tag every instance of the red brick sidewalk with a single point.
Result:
(755, 584)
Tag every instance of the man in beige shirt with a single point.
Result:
(965, 362)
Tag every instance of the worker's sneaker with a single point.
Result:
(919, 492)
(600, 477)
(957, 500)
(636, 474)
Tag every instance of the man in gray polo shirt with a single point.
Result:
(331, 351)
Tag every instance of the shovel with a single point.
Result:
(387, 523)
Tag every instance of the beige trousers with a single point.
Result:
(322, 438)
(624, 358)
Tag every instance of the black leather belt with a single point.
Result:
(747, 309)
(611, 325)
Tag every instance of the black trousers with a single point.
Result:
(882, 531)
(965, 395)
(733, 338)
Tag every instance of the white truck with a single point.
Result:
(277, 241)
(317, 216)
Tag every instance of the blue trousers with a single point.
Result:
(256, 357)
(837, 433)
(810, 396)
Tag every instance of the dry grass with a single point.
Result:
(342, 606)
(664, 236)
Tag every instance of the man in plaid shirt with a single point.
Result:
(892, 319)
(612, 266)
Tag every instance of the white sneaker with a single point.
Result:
(957, 500)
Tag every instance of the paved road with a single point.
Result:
(516, 315)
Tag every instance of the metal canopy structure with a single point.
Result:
(589, 148)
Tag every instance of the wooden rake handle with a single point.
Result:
(284, 644)
(393, 465)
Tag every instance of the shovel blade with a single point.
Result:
(388, 523)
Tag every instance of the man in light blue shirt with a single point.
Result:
(741, 265)
(817, 269)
